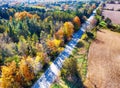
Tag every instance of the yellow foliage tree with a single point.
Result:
(35, 64)
(65, 31)
(16, 76)
(54, 44)
(40, 57)
(68, 29)
(26, 70)
(24, 14)
(8, 76)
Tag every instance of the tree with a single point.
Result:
(108, 21)
(35, 38)
(59, 34)
(24, 14)
(22, 46)
(69, 67)
(65, 32)
(8, 76)
(2, 29)
(68, 29)
(36, 64)
(26, 71)
(76, 22)
(16, 75)
(98, 11)
(103, 24)
(93, 6)
(54, 44)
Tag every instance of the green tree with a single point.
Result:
(35, 38)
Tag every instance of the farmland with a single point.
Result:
(112, 11)
(104, 57)
(113, 6)
(113, 15)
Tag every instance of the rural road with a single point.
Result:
(53, 71)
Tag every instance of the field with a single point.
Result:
(113, 15)
(38, 7)
(104, 60)
(111, 12)
(113, 6)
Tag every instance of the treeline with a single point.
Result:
(31, 39)
(106, 23)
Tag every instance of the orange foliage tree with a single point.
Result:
(65, 31)
(59, 34)
(54, 45)
(77, 21)
(7, 76)
(16, 75)
(93, 6)
(10, 76)
(24, 14)
(25, 70)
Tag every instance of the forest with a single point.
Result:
(31, 38)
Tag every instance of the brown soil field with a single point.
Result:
(111, 6)
(104, 61)
(113, 15)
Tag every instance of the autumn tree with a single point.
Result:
(7, 76)
(24, 14)
(68, 29)
(26, 71)
(16, 76)
(54, 45)
(35, 64)
(93, 6)
(65, 32)
(76, 22)
(59, 34)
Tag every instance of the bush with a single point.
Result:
(56, 86)
(14, 58)
(103, 24)
(2, 29)
(69, 67)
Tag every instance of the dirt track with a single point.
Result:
(104, 61)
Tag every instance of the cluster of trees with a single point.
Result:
(64, 34)
(30, 39)
(103, 22)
